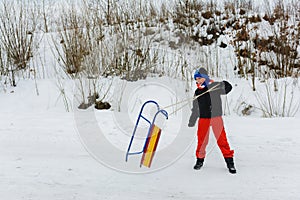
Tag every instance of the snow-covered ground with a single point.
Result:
(44, 155)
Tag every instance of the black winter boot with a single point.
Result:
(199, 163)
(230, 165)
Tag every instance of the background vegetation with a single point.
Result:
(90, 40)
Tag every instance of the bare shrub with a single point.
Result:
(187, 13)
(279, 52)
(230, 7)
(131, 58)
(278, 100)
(2, 63)
(72, 46)
(18, 41)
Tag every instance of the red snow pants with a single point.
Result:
(203, 135)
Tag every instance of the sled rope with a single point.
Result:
(193, 98)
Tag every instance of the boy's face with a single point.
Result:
(200, 81)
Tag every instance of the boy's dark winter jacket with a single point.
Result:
(209, 104)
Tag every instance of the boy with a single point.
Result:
(208, 108)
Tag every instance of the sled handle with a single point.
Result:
(136, 125)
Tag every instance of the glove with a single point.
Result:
(191, 124)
